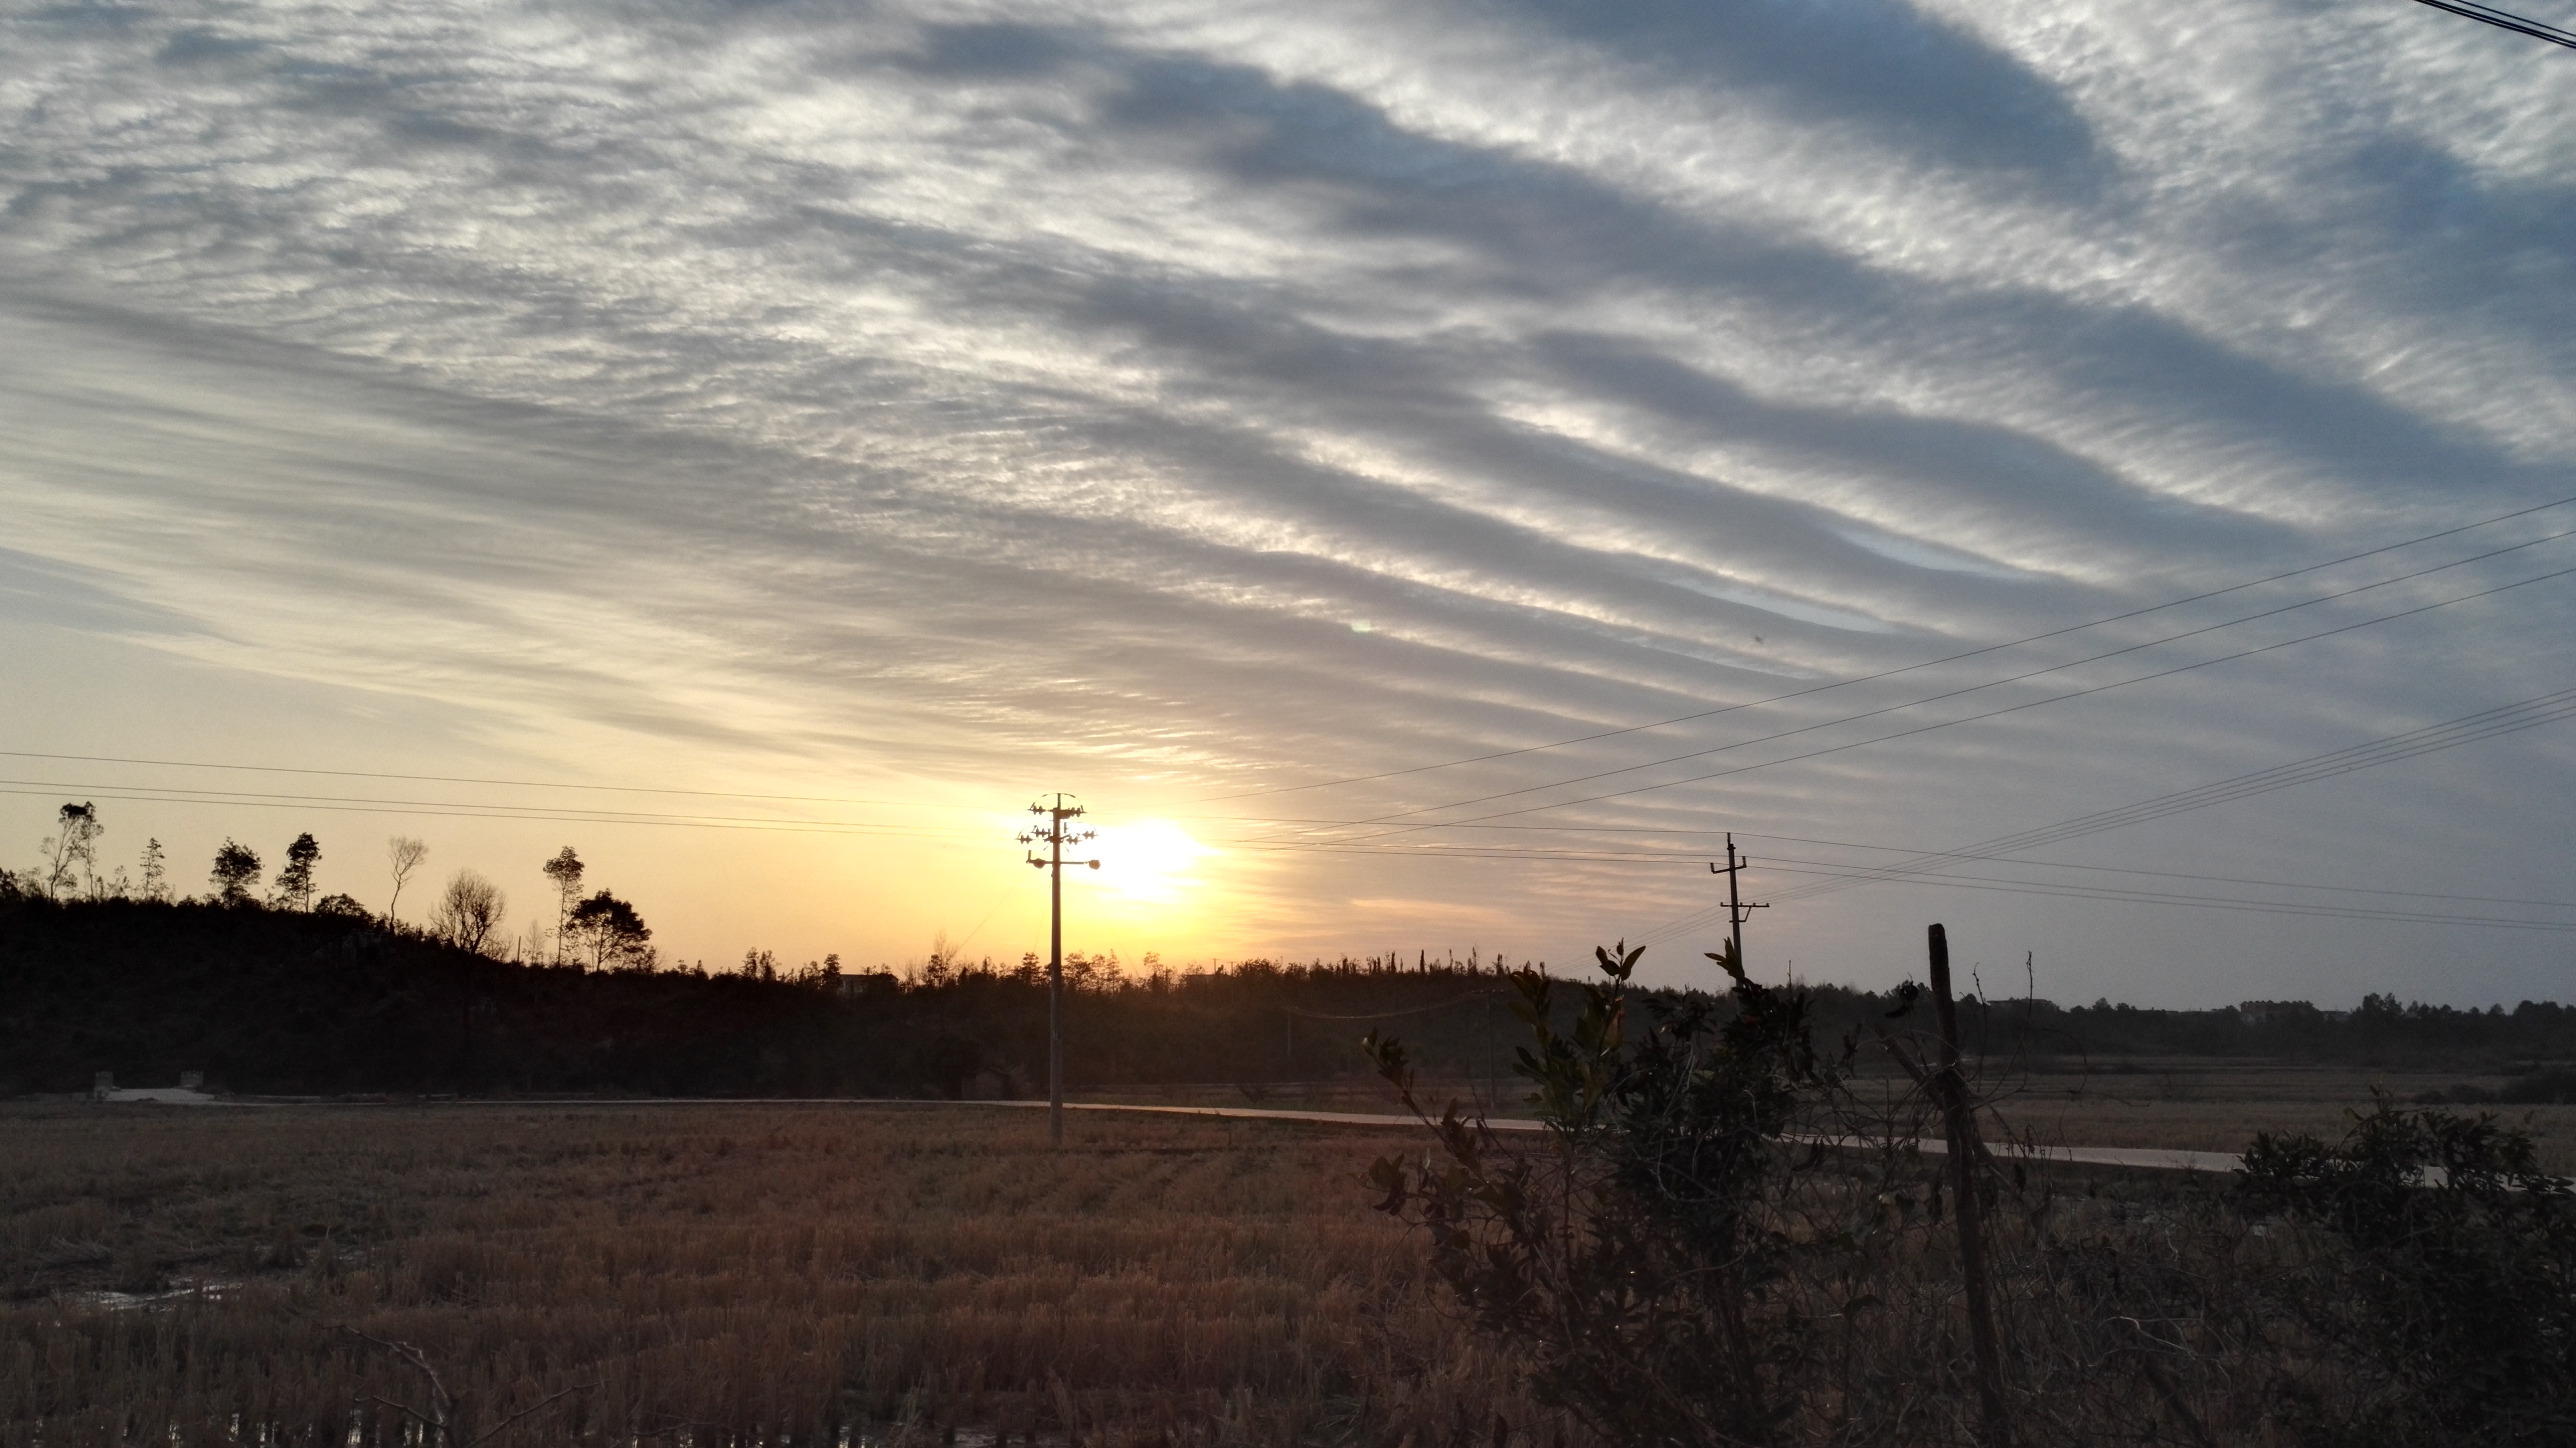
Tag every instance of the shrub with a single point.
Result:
(1631, 1257)
(2447, 1285)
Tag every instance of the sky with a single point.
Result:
(1420, 474)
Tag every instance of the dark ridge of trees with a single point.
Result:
(289, 1002)
(335, 1000)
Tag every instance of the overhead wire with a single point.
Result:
(1694, 856)
(434, 809)
(1833, 871)
(469, 779)
(1403, 828)
(2432, 738)
(1906, 669)
(1975, 688)
(2506, 20)
(1932, 866)
(2469, 729)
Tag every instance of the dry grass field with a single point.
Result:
(714, 1274)
(771, 1274)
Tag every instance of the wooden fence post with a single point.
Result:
(1951, 1092)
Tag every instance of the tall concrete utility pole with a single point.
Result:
(1736, 909)
(1055, 836)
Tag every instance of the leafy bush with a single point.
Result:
(2448, 1283)
(1631, 1258)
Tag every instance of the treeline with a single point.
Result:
(290, 1002)
(470, 912)
(293, 1002)
(2381, 1032)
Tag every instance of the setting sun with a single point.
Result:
(1150, 861)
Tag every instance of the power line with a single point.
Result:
(1949, 723)
(1433, 850)
(2469, 729)
(2181, 875)
(1974, 688)
(1827, 870)
(2450, 734)
(1907, 669)
(438, 810)
(467, 779)
(2505, 20)
(1910, 850)
(1913, 850)
(1927, 866)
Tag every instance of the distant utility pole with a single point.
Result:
(1736, 909)
(1055, 836)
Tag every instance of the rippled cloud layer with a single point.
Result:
(1182, 402)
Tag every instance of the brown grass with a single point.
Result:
(769, 1274)
(751, 1273)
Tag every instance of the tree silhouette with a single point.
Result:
(156, 884)
(295, 882)
(610, 931)
(403, 854)
(71, 852)
(565, 870)
(469, 913)
(236, 871)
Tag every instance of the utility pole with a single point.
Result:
(1054, 836)
(1736, 909)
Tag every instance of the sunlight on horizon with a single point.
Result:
(1150, 862)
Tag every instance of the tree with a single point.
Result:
(294, 885)
(565, 870)
(469, 913)
(404, 854)
(71, 852)
(236, 871)
(610, 931)
(156, 885)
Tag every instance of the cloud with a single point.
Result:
(975, 390)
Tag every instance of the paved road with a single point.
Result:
(2153, 1158)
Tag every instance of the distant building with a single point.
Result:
(875, 982)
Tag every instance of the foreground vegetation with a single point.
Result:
(772, 1274)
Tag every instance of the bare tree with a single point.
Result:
(565, 870)
(71, 852)
(468, 914)
(404, 854)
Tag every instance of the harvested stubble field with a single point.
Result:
(766, 1273)
(723, 1274)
